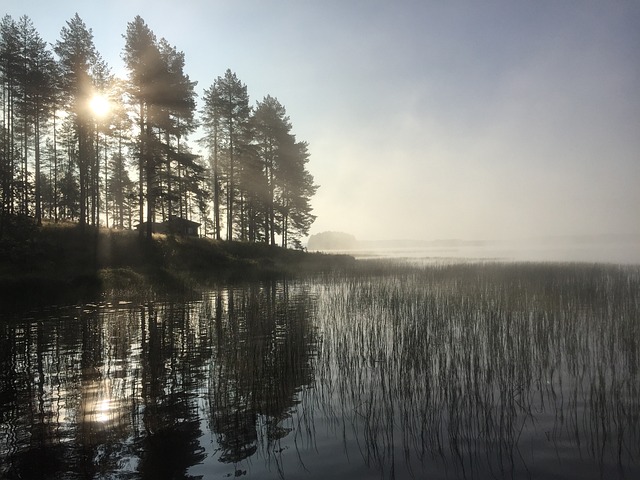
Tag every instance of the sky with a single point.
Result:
(425, 119)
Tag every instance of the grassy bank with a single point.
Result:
(57, 260)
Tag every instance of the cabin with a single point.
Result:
(173, 226)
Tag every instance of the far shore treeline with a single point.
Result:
(79, 144)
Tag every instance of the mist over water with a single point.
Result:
(614, 250)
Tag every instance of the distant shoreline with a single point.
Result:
(618, 249)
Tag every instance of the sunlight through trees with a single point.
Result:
(79, 144)
(99, 105)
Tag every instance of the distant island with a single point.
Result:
(332, 241)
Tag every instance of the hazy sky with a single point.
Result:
(426, 119)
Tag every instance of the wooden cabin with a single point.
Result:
(173, 226)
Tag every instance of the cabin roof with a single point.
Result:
(173, 220)
(183, 220)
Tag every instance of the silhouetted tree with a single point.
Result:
(77, 58)
(227, 114)
(35, 92)
(271, 135)
(27, 69)
(69, 184)
(211, 122)
(142, 58)
(289, 185)
(296, 187)
(176, 107)
(165, 100)
(10, 67)
(256, 178)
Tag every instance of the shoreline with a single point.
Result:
(62, 262)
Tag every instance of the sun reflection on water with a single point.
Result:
(102, 410)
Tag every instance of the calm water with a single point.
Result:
(456, 371)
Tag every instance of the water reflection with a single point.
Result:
(104, 390)
(263, 356)
(457, 371)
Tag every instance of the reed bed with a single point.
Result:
(481, 367)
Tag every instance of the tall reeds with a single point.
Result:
(477, 365)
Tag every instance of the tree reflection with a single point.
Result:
(498, 371)
(264, 356)
(103, 389)
(172, 357)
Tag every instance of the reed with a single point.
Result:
(464, 363)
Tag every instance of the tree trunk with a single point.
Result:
(83, 175)
(141, 169)
(216, 185)
(150, 189)
(37, 155)
(55, 169)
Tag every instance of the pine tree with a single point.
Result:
(77, 57)
(10, 67)
(211, 122)
(227, 102)
(142, 58)
(28, 74)
(258, 177)
(118, 185)
(177, 107)
(272, 134)
(296, 187)
(120, 188)
(101, 122)
(39, 96)
(165, 99)
(68, 178)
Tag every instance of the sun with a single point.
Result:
(99, 105)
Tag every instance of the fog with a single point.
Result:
(508, 142)
(616, 250)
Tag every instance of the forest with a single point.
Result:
(78, 144)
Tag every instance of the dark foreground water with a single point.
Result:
(458, 371)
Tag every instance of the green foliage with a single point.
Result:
(259, 163)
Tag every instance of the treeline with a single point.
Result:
(79, 144)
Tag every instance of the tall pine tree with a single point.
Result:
(227, 102)
(77, 58)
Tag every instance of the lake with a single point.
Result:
(391, 370)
